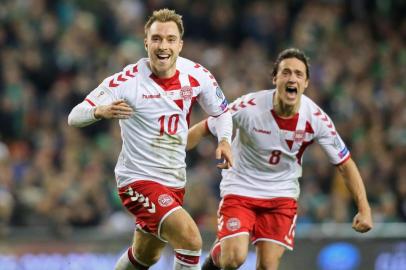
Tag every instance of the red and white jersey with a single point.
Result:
(154, 138)
(268, 150)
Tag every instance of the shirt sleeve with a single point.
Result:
(330, 140)
(83, 113)
(221, 127)
(236, 109)
(211, 97)
(102, 95)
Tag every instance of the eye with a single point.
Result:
(285, 72)
(299, 74)
(172, 39)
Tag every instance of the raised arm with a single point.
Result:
(362, 221)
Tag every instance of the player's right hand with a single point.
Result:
(223, 151)
(362, 222)
(117, 110)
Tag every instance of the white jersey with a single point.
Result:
(154, 138)
(268, 150)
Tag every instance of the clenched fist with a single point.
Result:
(362, 222)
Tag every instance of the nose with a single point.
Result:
(292, 78)
(163, 44)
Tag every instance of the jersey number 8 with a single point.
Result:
(275, 157)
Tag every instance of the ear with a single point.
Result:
(181, 45)
(145, 44)
(274, 80)
(306, 84)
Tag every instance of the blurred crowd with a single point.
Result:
(52, 53)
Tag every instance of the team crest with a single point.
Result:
(165, 200)
(233, 224)
(299, 136)
(100, 94)
(338, 145)
(219, 93)
(186, 92)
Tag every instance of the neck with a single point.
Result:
(164, 74)
(169, 73)
(284, 110)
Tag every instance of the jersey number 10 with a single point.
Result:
(172, 124)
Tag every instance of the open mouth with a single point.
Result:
(163, 57)
(291, 92)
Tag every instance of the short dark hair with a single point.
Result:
(291, 53)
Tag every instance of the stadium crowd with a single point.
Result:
(52, 53)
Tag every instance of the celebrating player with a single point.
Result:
(259, 193)
(153, 100)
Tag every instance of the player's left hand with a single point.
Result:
(362, 222)
(223, 151)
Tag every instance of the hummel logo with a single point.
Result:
(135, 196)
(151, 96)
(268, 132)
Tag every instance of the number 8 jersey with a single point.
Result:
(154, 138)
(268, 150)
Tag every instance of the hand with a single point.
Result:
(362, 222)
(117, 110)
(223, 151)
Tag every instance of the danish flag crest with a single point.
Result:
(186, 92)
(299, 136)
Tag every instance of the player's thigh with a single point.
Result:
(147, 248)
(268, 255)
(278, 223)
(180, 230)
(234, 250)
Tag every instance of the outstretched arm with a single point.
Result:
(362, 221)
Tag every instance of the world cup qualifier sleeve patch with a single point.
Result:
(224, 104)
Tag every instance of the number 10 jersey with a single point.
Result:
(154, 138)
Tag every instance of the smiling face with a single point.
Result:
(163, 43)
(291, 81)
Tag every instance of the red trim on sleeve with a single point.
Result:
(90, 102)
(342, 162)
